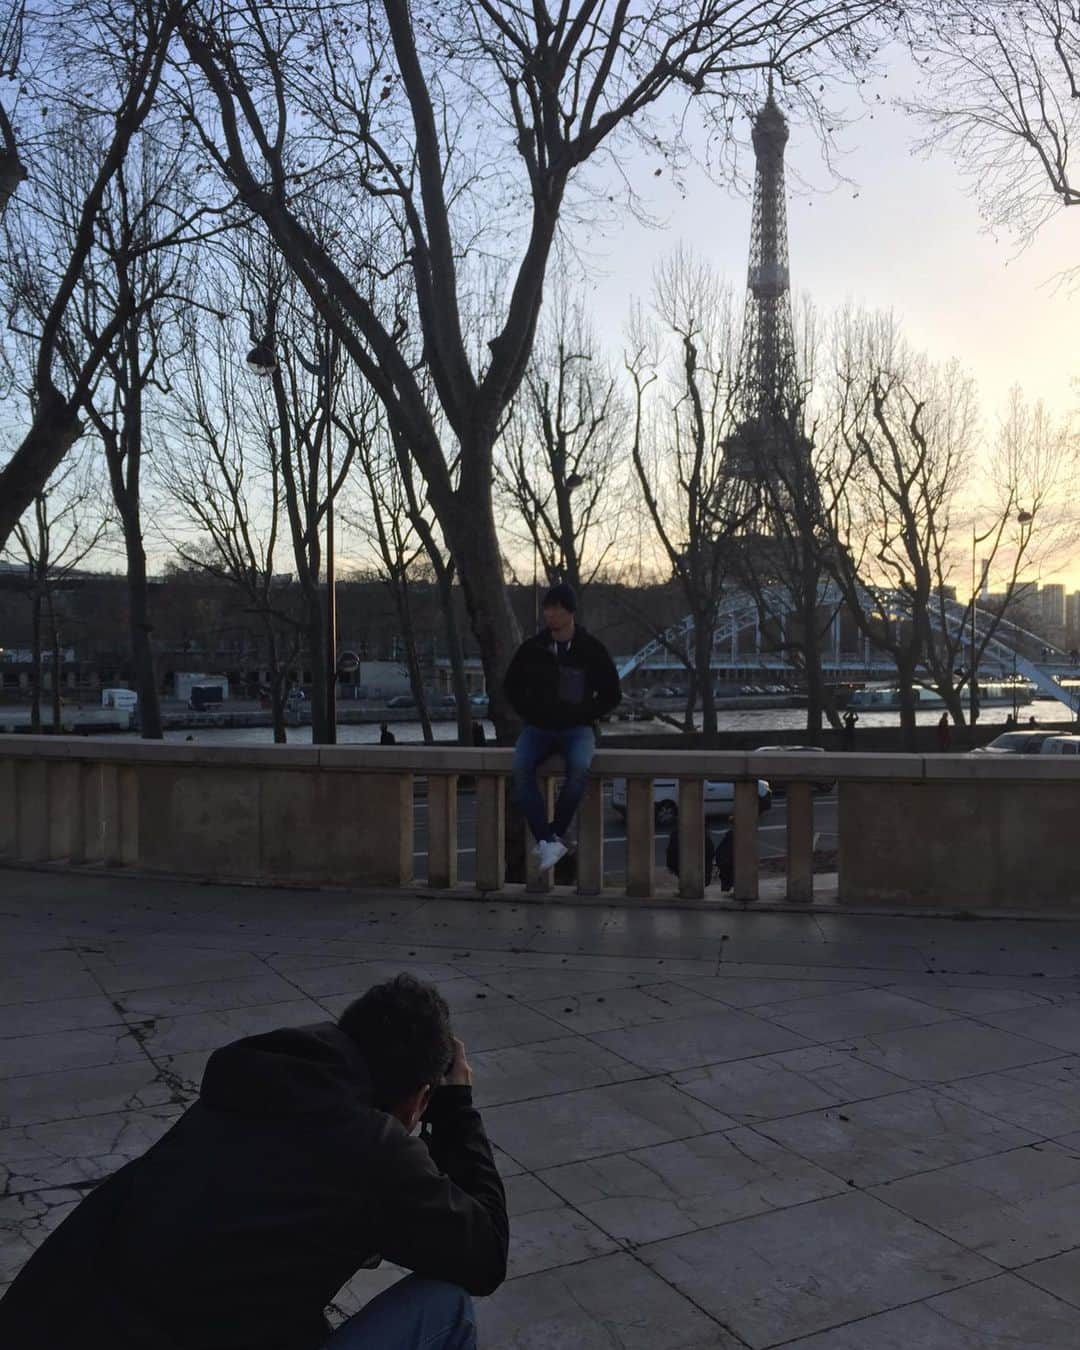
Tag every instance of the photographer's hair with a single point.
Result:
(403, 1030)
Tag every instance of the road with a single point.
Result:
(772, 830)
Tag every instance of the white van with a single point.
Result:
(127, 699)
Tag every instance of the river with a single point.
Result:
(768, 720)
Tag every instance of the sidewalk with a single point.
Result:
(815, 1131)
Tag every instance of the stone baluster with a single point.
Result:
(490, 832)
(746, 839)
(442, 870)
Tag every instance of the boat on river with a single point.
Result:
(992, 694)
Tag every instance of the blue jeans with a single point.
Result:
(577, 745)
(414, 1314)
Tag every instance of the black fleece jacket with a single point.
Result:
(536, 683)
(238, 1227)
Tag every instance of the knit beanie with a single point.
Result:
(562, 594)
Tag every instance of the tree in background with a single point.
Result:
(1004, 100)
(65, 524)
(561, 456)
(897, 452)
(223, 482)
(684, 369)
(12, 169)
(100, 65)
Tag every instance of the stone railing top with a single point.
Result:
(721, 765)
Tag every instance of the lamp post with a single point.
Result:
(1022, 518)
(331, 570)
(263, 361)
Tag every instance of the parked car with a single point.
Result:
(401, 701)
(719, 799)
(780, 788)
(478, 700)
(1014, 743)
(446, 701)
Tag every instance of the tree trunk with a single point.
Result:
(35, 663)
(141, 628)
(815, 695)
(54, 431)
(905, 670)
(54, 642)
(316, 637)
(703, 642)
(12, 173)
(456, 652)
(474, 544)
(277, 685)
(412, 660)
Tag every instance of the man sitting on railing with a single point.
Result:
(560, 683)
(296, 1167)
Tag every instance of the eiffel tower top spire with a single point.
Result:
(768, 345)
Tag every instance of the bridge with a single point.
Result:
(1010, 650)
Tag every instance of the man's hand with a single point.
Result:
(460, 1073)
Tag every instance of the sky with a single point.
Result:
(905, 235)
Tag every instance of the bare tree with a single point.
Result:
(441, 134)
(897, 455)
(387, 522)
(143, 273)
(563, 449)
(1020, 525)
(12, 169)
(129, 44)
(1004, 99)
(217, 470)
(684, 368)
(64, 525)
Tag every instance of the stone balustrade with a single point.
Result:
(978, 831)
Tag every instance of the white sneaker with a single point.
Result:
(551, 850)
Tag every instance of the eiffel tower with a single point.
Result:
(768, 454)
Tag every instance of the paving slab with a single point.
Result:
(1015, 1208)
(597, 1305)
(902, 1134)
(648, 1194)
(997, 1314)
(949, 1050)
(772, 1086)
(1043, 1098)
(547, 1131)
(778, 1276)
(708, 1038)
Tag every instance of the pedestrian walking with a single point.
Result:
(944, 733)
(560, 683)
(386, 736)
(850, 719)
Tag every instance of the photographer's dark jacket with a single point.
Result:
(555, 689)
(237, 1228)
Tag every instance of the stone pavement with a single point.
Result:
(814, 1130)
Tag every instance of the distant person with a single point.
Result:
(944, 733)
(1032, 722)
(386, 736)
(1010, 722)
(850, 720)
(559, 683)
(298, 1166)
(479, 735)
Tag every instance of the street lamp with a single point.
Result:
(1023, 518)
(263, 361)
